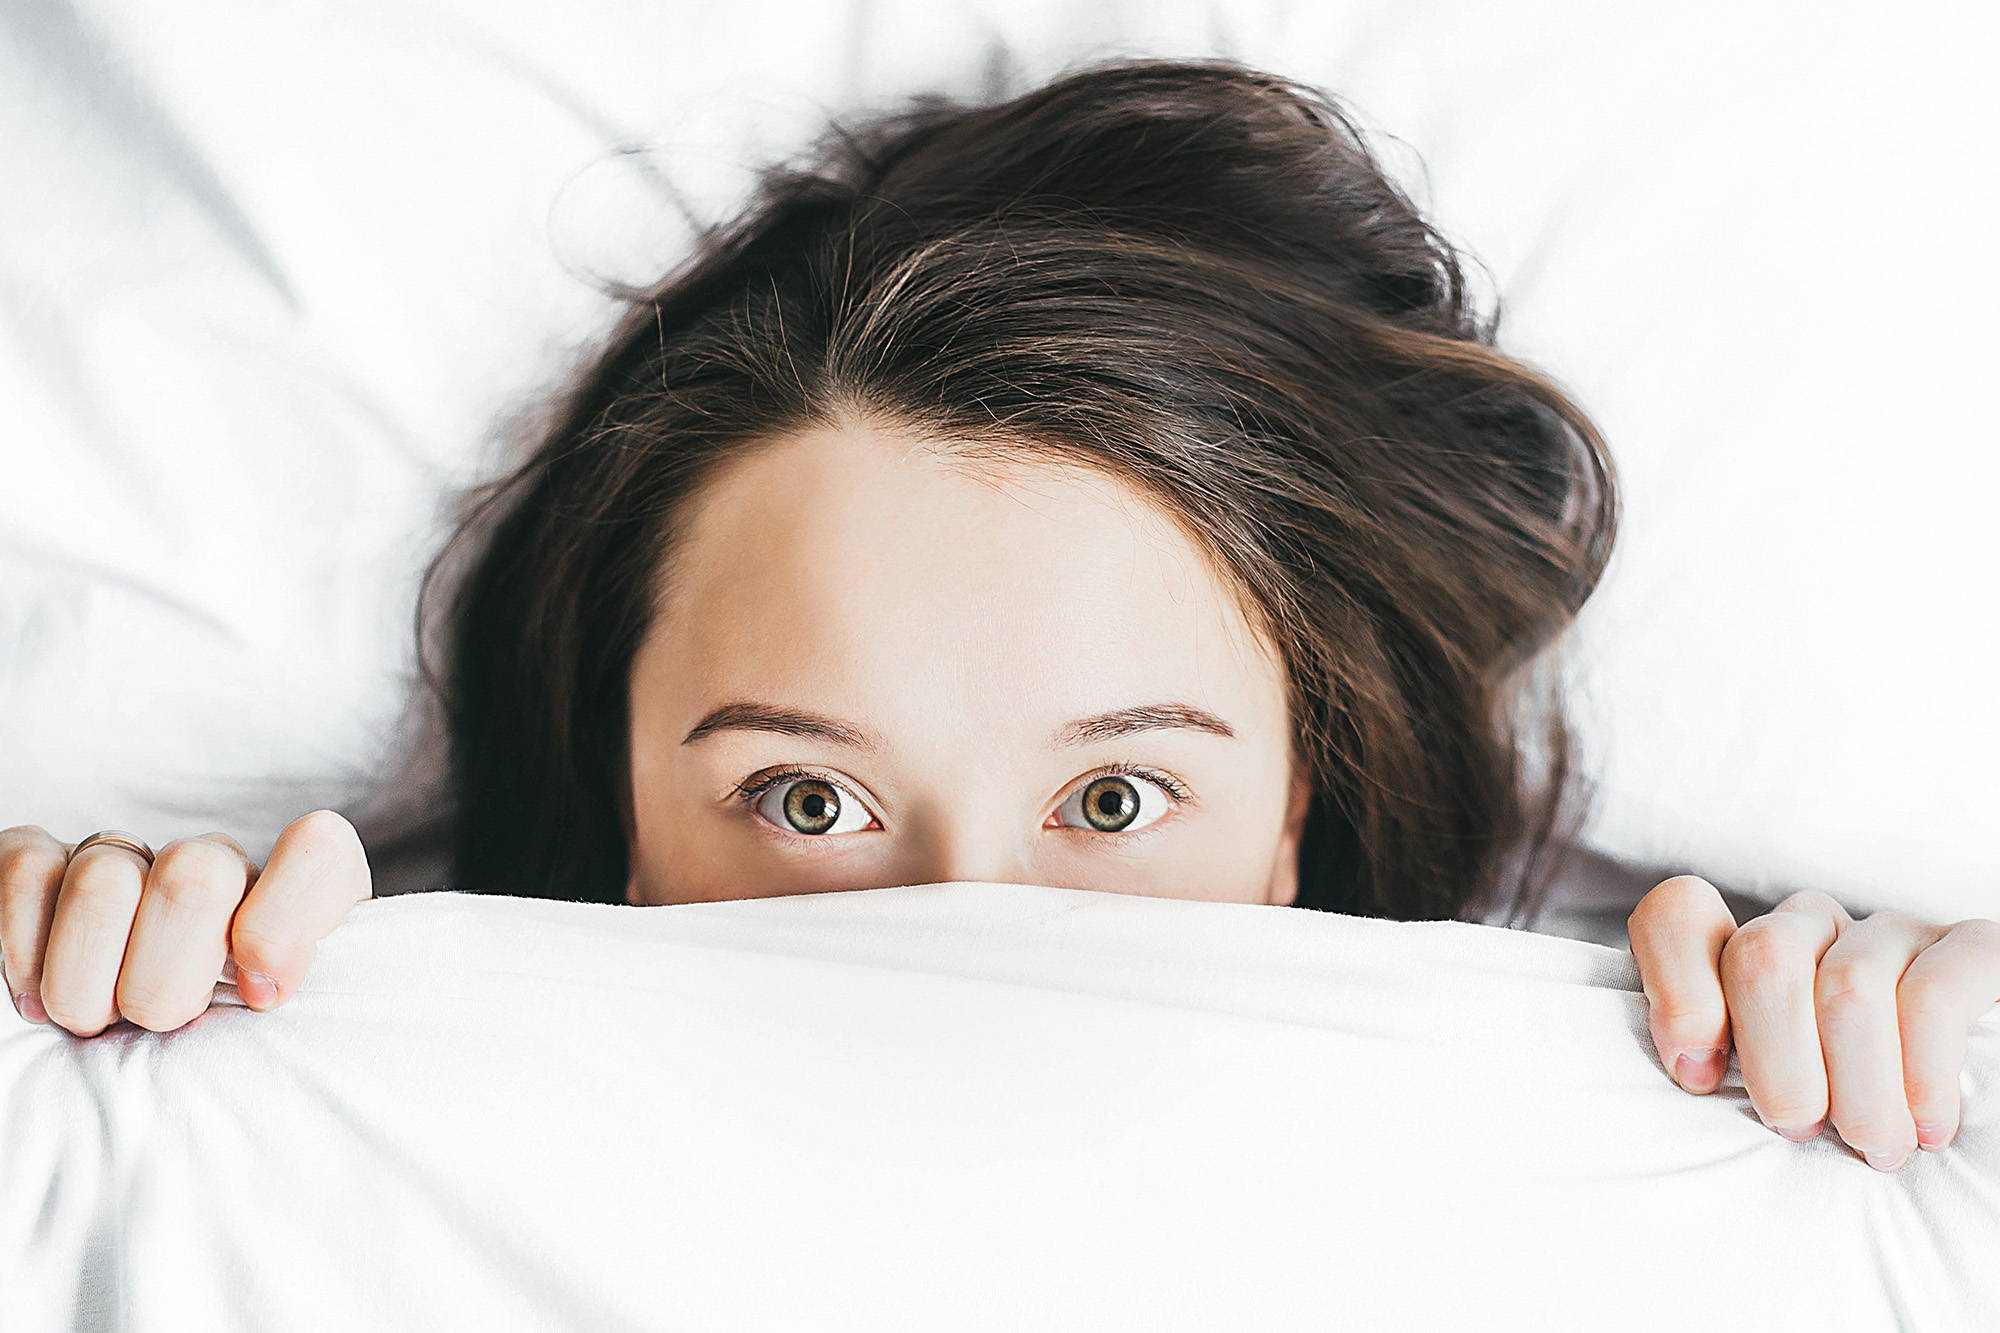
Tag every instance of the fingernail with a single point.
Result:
(1883, 1161)
(1806, 1135)
(1700, 1070)
(1933, 1137)
(29, 1004)
(256, 989)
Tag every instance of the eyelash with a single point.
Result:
(748, 792)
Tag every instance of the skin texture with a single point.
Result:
(960, 613)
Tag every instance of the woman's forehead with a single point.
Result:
(847, 562)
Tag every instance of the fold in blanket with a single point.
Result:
(964, 1106)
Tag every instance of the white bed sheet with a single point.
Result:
(956, 1106)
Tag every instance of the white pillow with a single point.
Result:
(957, 1106)
(278, 277)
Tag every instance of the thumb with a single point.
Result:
(317, 871)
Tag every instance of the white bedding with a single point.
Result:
(958, 1106)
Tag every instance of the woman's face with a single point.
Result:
(878, 667)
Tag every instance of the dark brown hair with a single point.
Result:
(1190, 275)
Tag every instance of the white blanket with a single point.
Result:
(958, 1106)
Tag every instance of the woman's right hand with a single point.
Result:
(104, 936)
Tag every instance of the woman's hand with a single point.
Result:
(104, 936)
(1867, 1019)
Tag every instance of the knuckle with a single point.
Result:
(1983, 932)
(193, 874)
(103, 886)
(1838, 1007)
(323, 824)
(196, 851)
(1758, 948)
(23, 863)
(25, 835)
(1926, 1000)
(1807, 898)
(326, 856)
(327, 833)
(1672, 898)
(1843, 988)
(220, 838)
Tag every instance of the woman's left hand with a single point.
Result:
(1866, 1019)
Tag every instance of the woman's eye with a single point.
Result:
(1114, 803)
(811, 806)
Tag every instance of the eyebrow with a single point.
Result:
(748, 715)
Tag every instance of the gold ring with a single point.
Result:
(114, 836)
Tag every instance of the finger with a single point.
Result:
(1768, 968)
(181, 931)
(1950, 986)
(317, 871)
(31, 874)
(1677, 932)
(87, 937)
(1860, 1032)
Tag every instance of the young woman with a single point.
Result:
(1113, 489)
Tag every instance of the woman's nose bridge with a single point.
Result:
(947, 855)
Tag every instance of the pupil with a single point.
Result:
(815, 805)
